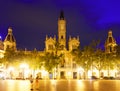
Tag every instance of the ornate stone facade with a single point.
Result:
(69, 68)
(10, 41)
(72, 43)
(110, 43)
(66, 68)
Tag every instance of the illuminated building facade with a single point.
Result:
(64, 70)
(68, 69)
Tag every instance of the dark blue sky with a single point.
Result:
(32, 20)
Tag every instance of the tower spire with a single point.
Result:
(61, 15)
(62, 30)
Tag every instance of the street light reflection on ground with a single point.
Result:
(61, 85)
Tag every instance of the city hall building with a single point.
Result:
(69, 69)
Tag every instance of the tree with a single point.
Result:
(99, 60)
(50, 61)
(9, 57)
(83, 58)
(34, 59)
(53, 59)
(77, 53)
(86, 57)
(110, 62)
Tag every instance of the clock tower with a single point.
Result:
(62, 30)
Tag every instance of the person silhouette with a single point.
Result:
(37, 82)
(31, 81)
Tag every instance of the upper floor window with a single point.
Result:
(110, 49)
(63, 63)
(110, 39)
(62, 37)
(74, 65)
(7, 46)
(50, 47)
(62, 47)
(74, 47)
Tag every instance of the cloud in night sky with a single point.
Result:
(32, 20)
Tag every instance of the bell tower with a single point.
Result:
(62, 30)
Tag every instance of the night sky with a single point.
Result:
(32, 20)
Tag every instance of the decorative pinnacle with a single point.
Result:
(61, 15)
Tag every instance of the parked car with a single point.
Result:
(94, 78)
(108, 78)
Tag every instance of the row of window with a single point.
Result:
(51, 47)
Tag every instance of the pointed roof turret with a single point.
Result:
(110, 38)
(10, 36)
(10, 42)
(110, 43)
(61, 15)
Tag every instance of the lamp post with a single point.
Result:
(80, 72)
(23, 66)
(11, 69)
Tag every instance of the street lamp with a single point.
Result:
(11, 69)
(69, 74)
(23, 66)
(80, 72)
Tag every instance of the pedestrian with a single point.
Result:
(31, 81)
(37, 82)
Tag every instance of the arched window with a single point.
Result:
(62, 37)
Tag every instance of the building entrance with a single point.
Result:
(62, 75)
(74, 75)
